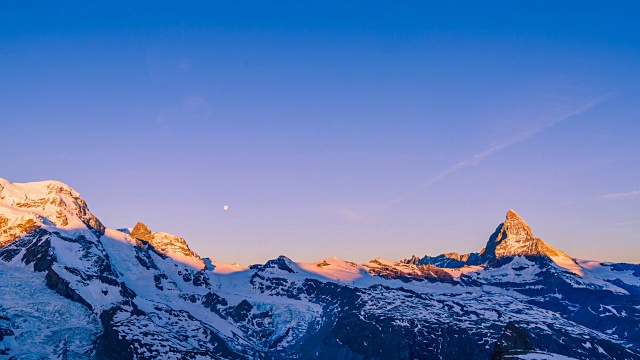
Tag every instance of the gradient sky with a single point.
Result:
(358, 130)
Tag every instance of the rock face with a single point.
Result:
(72, 288)
(514, 340)
(142, 232)
(514, 237)
(511, 238)
(167, 245)
(282, 263)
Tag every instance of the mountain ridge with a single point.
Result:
(513, 237)
(146, 295)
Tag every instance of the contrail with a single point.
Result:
(622, 195)
(475, 159)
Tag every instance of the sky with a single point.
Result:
(349, 129)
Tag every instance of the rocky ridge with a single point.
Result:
(144, 294)
(511, 238)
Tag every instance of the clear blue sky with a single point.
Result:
(359, 130)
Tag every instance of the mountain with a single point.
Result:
(511, 238)
(71, 288)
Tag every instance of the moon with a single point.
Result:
(225, 208)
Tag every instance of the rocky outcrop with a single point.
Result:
(166, 244)
(63, 287)
(11, 231)
(514, 340)
(446, 260)
(282, 263)
(408, 272)
(142, 232)
(77, 205)
(39, 252)
(111, 345)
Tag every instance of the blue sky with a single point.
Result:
(359, 130)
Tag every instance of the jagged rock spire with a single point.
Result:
(141, 231)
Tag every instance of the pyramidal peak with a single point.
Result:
(515, 226)
(514, 238)
(512, 215)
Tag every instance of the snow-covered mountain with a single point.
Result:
(71, 288)
(512, 238)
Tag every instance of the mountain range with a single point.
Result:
(72, 288)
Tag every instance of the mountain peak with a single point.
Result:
(141, 231)
(513, 215)
(512, 237)
(515, 225)
(167, 244)
(44, 204)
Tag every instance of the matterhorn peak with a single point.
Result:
(513, 215)
(514, 225)
(512, 237)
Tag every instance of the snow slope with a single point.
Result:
(71, 287)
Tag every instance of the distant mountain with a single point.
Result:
(512, 238)
(71, 288)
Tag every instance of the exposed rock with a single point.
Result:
(154, 303)
(5, 328)
(214, 302)
(111, 345)
(240, 312)
(511, 238)
(39, 252)
(142, 232)
(403, 271)
(282, 263)
(167, 245)
(63, 287)
(447, 260)
(514, 340)
(11, 232)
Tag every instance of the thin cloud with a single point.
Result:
(515, 139)
(622, 195)
(625, 223)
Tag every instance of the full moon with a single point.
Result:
(225, 208)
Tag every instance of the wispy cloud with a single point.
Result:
(625, 223)
(622, 195)
(514, 139)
